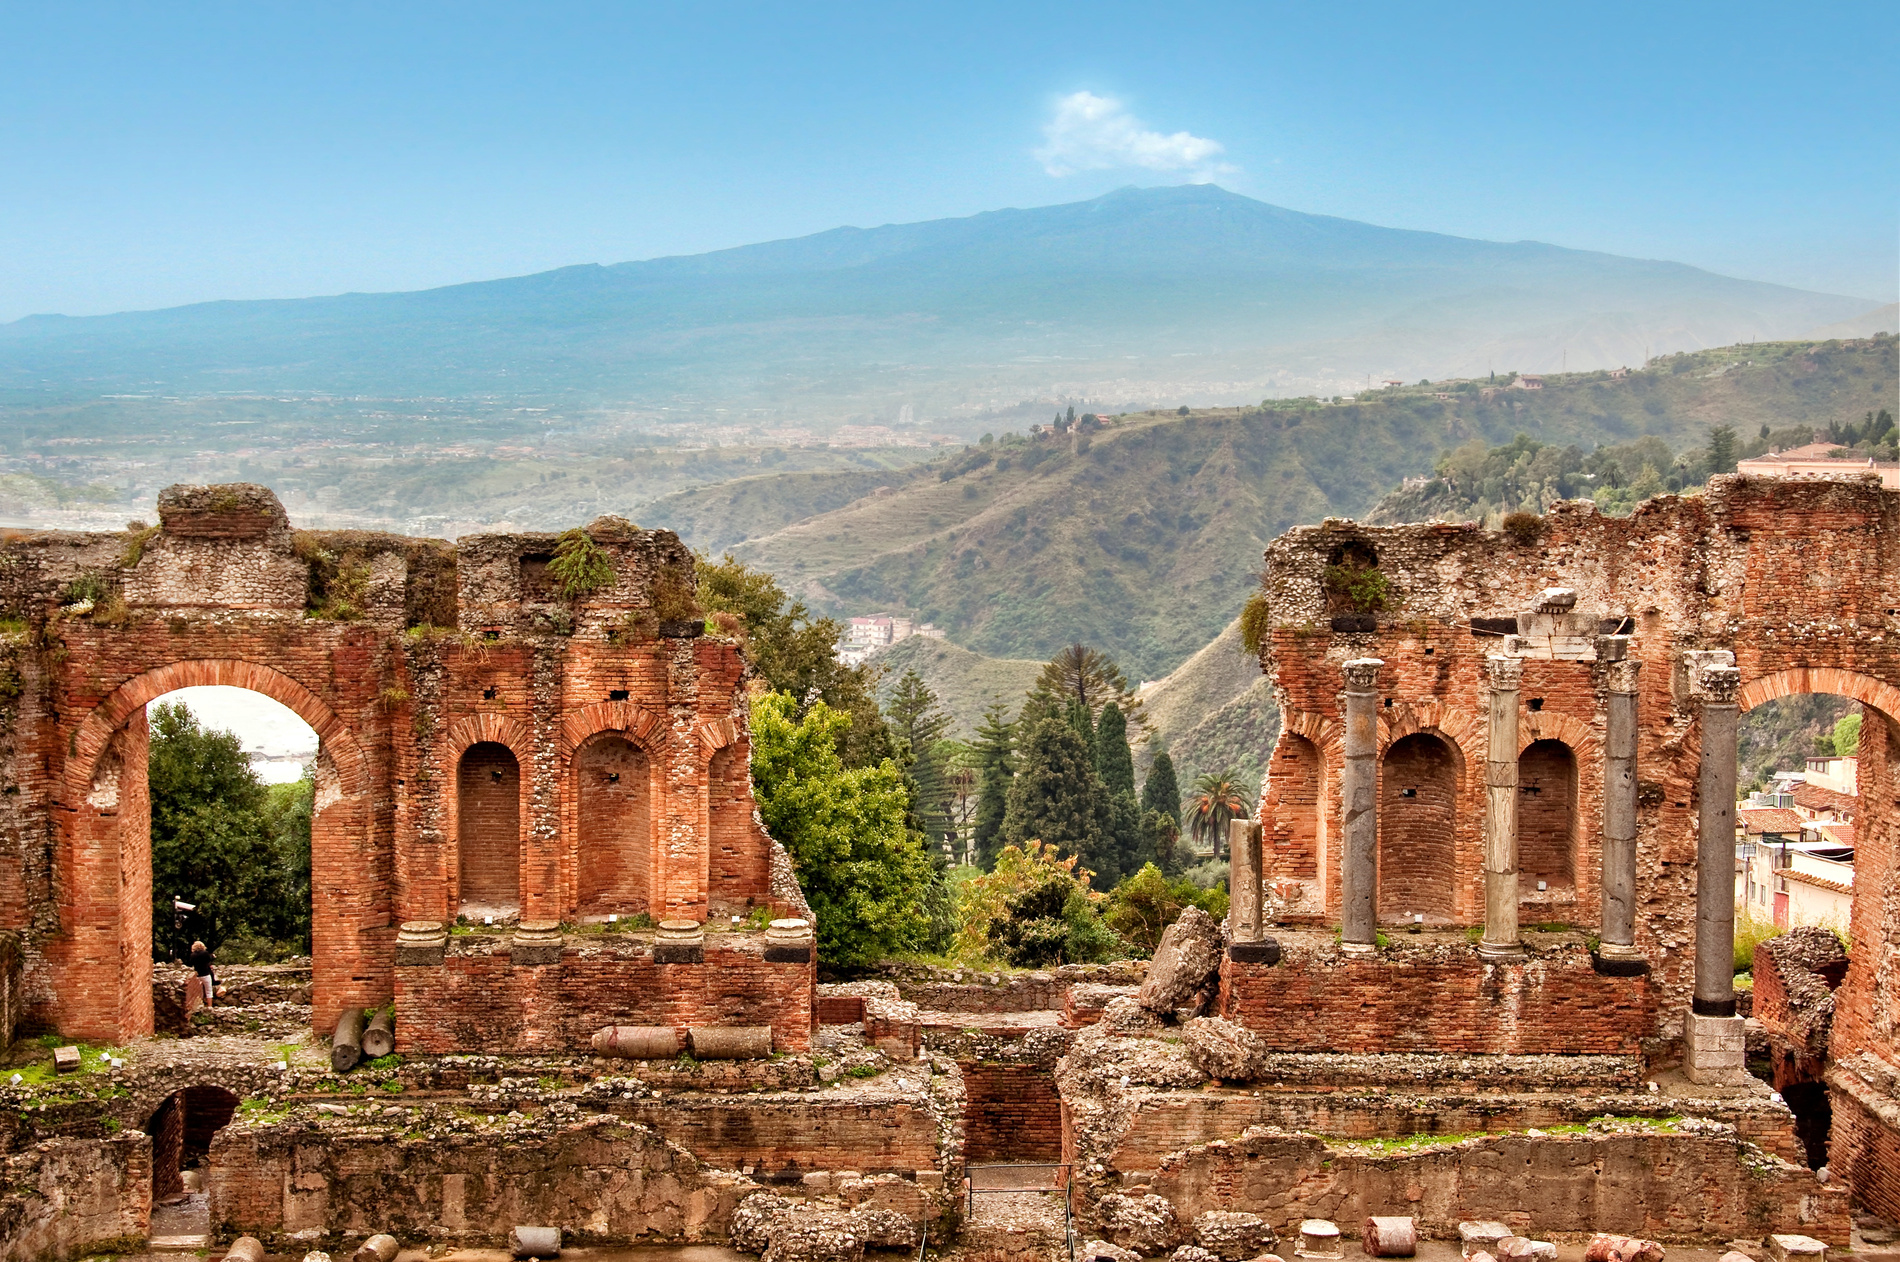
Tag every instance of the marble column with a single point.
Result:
(1618, 930)
(1716, 1044)
(1359, 799)
(1500, 941)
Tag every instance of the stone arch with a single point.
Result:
(1421, 781)
(1831, 679)
(1293, 801)
(105, 858)
(181, 1127)
(640, 725)
(646, 730)
(463, 735)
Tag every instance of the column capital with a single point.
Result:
(1362, 673)
(1720, 684)
(1622, 675)
(1612, 648)
(1506, 673)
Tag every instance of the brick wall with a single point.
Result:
(1547, 815)
(739, 864)
(1418, 801)
(69, 1198)
(167, 1129)
(489, 814)
(479, 1000)
(1292, 810)
(788, 1134)
(1441, 1000)
(615, 781)
(1864, 1148)
(1011, 1112)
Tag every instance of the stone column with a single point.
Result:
(1619, 801)
(1500, 940)
(1716, 1043)
(1359, 799)
(1243, 880)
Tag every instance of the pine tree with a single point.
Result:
(1056, 797)
(995, 769)
(1162, 792)
(917, 725)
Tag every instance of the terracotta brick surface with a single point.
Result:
(1011, 1112)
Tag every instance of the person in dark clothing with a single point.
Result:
(201, 965)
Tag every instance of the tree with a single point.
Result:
(1144, 905)
(1846, 736)
(1114, 761)
(795, 652)
(1035, 908)
(995, 769)
(1218, 798)
(1056, 796)
(917, 725)
(1091, 677)
(217, 843)
(862, 871)
(1161, 792)
(1721, 449)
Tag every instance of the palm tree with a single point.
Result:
(1217, 798)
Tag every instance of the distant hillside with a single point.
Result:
(1214, 711)
(1142, 538)
(714, 519)
(1880, 320)
(1143, 294)
(965, 682)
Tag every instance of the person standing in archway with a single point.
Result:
(201, 965)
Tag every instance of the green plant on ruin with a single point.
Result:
(1366, 588)
(1524, 529)
(137, 535)
(392, 696)
(580, 566)
(88, 586)
(673, 595)
(339, 583)
(1256, 623)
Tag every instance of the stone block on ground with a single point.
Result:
(245, 1249)
(1515, 1249)
(65, 1060)
(1319, 1239)
(1735, 1255)
(1186, 965)
(534, 1242)
(751, 1227)
(825, 1236)
(1608, 1247)
(378, 1248)
(1481, 1236)
(1233, 1236)
(1387, 1237)
(1220, 1048)
(1144, 1223)
(1792, 1248)
(1103, 1251)
(885, 1228)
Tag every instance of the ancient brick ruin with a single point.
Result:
(1534, 732)
(490, 750)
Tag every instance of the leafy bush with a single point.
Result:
(1033, 910)
(1523, 529)
(1144, 905)
(1750, 932)
(580, 565)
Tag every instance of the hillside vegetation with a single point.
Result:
(964, 682)
(1142, 538)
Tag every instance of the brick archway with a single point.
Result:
(1829, 679)
(103, 959)
(461, 736)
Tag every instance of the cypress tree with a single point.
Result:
(1056, 796)
(1114, 762)
(995, 769)
(1162, 792)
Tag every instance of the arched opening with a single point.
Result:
(1418, 796)
(488, 832)
(181, 1129)
(1546, 817)
(615, 827)
(1292, 802)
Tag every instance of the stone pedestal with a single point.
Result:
(1717, 1051)
(1244, 919)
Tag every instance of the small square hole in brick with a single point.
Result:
(1535, 703)
(617, 694)
(491, 635)
(489, 694)
(613, 777)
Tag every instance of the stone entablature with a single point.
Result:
(488, 746)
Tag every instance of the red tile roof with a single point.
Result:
(1815, 798)
(1770, 819)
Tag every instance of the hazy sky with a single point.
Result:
(165, 153)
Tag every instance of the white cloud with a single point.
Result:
(1097, 133)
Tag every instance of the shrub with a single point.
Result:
(1524, 529)
(1144, 905)
(1750, 932)
(579, 564)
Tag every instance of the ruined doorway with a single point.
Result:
(615, 827)
(488, 813)
(181, 1129)
(1547, 817)
(1418, 791)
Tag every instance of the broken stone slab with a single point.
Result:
(1186, 964)
(1103, 1251)
(65, 1060)
(245, 1249)
(1524, 1249)
(1233, 1236)
(1222, 1049)
(1482, 1236)
(1735, 1255)
(1608, 1247)
(1319, 1239)
(378, 1248)
(534, 1242)
(1385, 1237)
(1791, 1248)
(1192, 1253)
(316, 1256)
(1144, 1223)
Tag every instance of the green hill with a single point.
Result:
(1212, 711)
(1142, 538)
(965, 682)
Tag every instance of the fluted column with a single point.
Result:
(1715, 845)
(1359, 800)
(1500, 941)
(1618, 930)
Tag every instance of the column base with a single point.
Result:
(1359, 948)
(1716, 1051)
(1503, 952)
(1617, 951)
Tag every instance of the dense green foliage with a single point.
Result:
(1145, 904)
(1217, 799)
(1161, 793)
(223, 840)
(1056, 797)
(1844, 740)
(862, 870)
(1034, 909)
(917, 725)
(1114, 761)
(996, 771)
(793, 651)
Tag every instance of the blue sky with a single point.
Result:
(160, 154)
